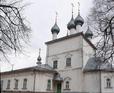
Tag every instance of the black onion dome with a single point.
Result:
(79, 20)
(88, 33)
(71, 24)
(39, 59)
(55, 29)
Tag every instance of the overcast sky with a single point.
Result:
(41, 16)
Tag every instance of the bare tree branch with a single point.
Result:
(13, 31)
(102, 18)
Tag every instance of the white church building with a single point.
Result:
(70, 66)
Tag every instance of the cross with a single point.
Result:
(56, 17)
(39, 51)
(72, 7)
(78, 7)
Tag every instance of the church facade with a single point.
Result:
(70, 67)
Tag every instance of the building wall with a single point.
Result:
(88, 52)
(40, 81)
(74, 76)
(60, 50)
(79, 50)
(91, 82)
(20, 77)
(61, 58)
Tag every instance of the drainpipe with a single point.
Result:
(34, 83)
(100, 82)
(99, 72)
(100, 91)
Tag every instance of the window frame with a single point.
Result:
(49, 84)
(16, 84)
(68, 62)
(25, 83)
(67, 85)
(108, 83)
(8, 84)
(55, 64)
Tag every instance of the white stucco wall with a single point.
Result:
(40, 81)
(78, 48)
(91, 82)
(60, 50)
(76, 79)
(88, 52)
(76, 60)
(80, 52)
(20, 77)
(63, 46)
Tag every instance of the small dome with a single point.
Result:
(79, 20)
(89, 33)
(39, 59)
(71, 24)
(55, 29)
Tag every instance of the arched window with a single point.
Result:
(25, 83)
(49, 85)
(108, 83)
(8, 84)
(68, 62)
(55, 64)
(16, 84)
(67, 84)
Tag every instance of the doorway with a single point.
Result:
(58, 88)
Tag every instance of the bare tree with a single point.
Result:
(102, 23)
(13, 31)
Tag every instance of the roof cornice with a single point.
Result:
(72, 36)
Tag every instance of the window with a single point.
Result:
(1, 84)
(25, 83)
(67, 84)
(67, 81)
(55, 63)
(68, 62)
(8, 84)
(16, 84)
(49, 85)
(108, 83)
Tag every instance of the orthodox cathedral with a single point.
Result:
(70, 66)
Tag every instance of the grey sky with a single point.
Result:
(41, 16)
